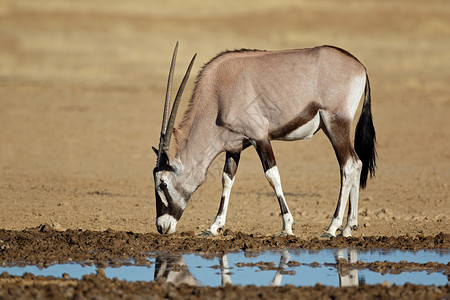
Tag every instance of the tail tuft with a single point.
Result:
(365, 138)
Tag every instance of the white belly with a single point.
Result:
(304, 132)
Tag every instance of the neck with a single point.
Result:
(198, 150)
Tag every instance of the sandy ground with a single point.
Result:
(81, 93)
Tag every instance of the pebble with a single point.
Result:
(56, 226)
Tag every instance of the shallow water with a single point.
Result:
(296, 267)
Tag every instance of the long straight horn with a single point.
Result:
(176, 103)
(167, 104)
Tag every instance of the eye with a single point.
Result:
(163, 186)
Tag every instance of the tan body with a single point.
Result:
(251, 97)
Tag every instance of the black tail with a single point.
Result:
(365, 138)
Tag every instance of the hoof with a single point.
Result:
(207, 233)
(326, 235)
(283, 234)
(347, 232)
(354, 227)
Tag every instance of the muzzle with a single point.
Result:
(166, 224)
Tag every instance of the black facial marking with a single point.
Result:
(163, 161)
(172, 209)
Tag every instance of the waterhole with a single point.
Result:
(331, 267)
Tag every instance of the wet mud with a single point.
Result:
(98, 286)
(343, 266)
(385, 267)
(44, 245)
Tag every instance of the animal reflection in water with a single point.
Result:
(173, 269)
(348, 276)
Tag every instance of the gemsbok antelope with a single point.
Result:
(250, 97)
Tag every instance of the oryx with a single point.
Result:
(250, 97)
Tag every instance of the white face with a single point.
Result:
(170, 203)
(166, 224)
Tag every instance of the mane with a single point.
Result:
(180, 133)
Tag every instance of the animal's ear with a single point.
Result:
(155, 150)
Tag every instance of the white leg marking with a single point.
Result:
(276, 281)
(273, 176)
(349, 278)
(349, 172)
(352, 218)
(225, 271)
(219, 222)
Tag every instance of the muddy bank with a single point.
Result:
(43, 245)
(384, 267)
(343, 266)
(96, 286)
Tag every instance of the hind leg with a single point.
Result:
(349, 170)
(352, 217)
(337, 128)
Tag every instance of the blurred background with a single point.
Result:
(81, 95)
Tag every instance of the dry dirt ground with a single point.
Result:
(81, 92)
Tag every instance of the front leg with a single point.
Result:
(265, 152)
(229, 172)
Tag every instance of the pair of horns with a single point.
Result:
(169, 122)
